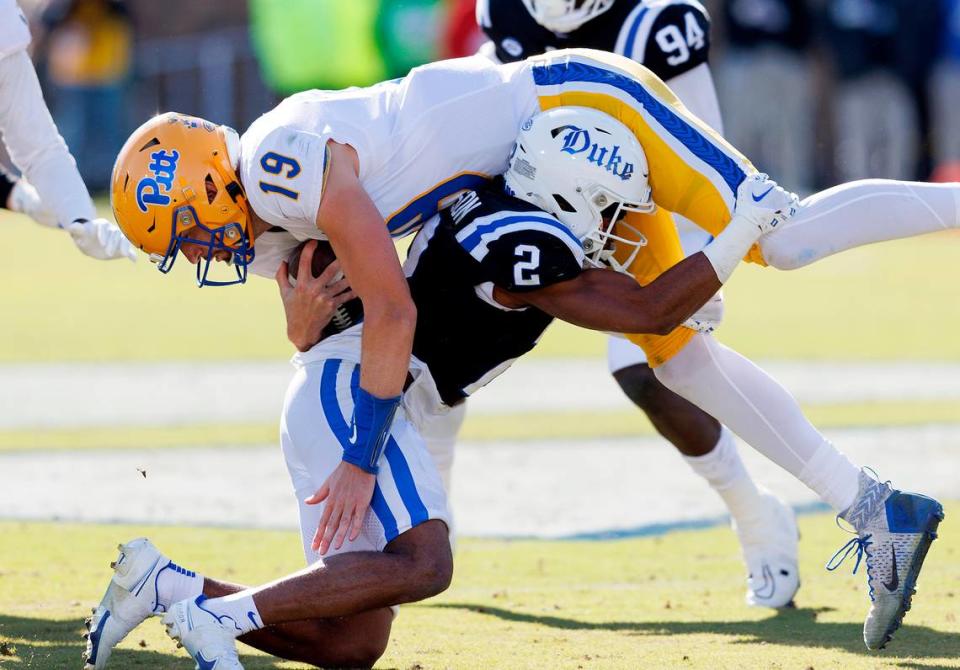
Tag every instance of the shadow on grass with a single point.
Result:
(794, 627)
(49, 643)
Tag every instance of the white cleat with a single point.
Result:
(131, 598)
(770, 553)
(199, 631)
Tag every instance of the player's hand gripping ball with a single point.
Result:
(346, 315)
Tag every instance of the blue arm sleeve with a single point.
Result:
(372, 417)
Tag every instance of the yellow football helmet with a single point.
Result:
(177, 174)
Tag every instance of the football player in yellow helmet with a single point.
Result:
(166, 203)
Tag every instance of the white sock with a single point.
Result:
(237, 612)
(832, 476)
(175, 583)
(753, 405)
(724, 471)
(858, 213)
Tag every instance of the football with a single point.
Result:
(349, 313)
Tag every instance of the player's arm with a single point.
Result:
(611, 301)
(615, 302)
(37, 149)
(360, 239)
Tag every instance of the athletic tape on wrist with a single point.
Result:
(372, 418)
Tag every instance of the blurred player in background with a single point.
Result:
(51, 190)
(672, 39)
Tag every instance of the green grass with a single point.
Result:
(525, 426)
(664, 602)
(896, 300)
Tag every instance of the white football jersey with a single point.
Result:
(14, 31)
(421, 140)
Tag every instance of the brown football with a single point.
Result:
(349, 313)
(322, 257)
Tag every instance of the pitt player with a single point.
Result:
(672, 39)
(357, 165)
(52, 191)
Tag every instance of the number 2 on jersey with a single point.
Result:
(671, 41)
(274, 163)
(524, 271)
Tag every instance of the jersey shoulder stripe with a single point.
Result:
(556, 74)
(477, 236)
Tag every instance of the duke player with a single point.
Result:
(52, 192)
(487, 276)
(359, 164)
(672, 39)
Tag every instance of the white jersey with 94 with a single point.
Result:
(420, 140)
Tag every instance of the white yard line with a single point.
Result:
(131, 394)
(552, 488)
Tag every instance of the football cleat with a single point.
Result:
(770, 553)
(201, 633)
(131, 598)
(894, 531)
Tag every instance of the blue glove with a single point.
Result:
(372, 417)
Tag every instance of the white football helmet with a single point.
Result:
(587, 169)
(565, 16)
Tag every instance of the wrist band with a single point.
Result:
(372, 417)
(730, 246)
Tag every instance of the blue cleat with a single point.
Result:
(894, 530)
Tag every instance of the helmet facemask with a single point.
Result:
(601, 245)
(565, 16)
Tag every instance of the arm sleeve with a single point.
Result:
(697, 92)
(35, 145)
(527, 260)
(284, 175)
(14, 30)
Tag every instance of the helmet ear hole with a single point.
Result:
(564, 204)
(211, 189)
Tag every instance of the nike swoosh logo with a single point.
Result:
(762, 195)
(895, 580)
(353, 434)
(769, 587)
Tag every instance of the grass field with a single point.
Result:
(896, 300)
(663, 602)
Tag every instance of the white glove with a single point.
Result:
(25, 199)
(764, 203)
(101, 239)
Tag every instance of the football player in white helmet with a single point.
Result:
(52, 191)
(672, 39)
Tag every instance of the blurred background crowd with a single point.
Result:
(815, 91)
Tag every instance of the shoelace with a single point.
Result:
(857, 544)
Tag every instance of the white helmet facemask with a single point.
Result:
(565, 16)
(588, 170)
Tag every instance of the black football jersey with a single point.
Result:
(669, 37)
(486, 239)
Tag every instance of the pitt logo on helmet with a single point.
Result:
(577, 140)
(154, 190)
